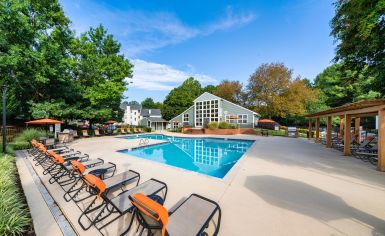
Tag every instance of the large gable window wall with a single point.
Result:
(206, 111)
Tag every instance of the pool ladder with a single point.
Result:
(143, 141)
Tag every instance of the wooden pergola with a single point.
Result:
(346, 113)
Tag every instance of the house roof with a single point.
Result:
(154, 112)
(155, 119)
(135, 107)
(212, 95)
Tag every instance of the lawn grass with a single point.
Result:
(15, 218)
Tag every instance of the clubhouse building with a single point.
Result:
(208, 107)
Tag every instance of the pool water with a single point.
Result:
(210, 156)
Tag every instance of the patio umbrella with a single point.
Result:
(266, 121)
(44, 122)
(110, 122)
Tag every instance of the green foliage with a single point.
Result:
(100, 73)
(14, 215)
(181, 98)
(29, 134)
(34, 36)
(359, 28)
(210, 89)
(223, 125)
(19, 145)
(52, 73)
(149, 103)
(212, 125)
(233, 126)
(339, 86)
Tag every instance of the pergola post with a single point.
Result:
(357, 134)
(341, 131)
(347, 125)
(381, 140)
(329, 132)
(317, 121)
(310, 130)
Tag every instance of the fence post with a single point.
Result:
(4, 119)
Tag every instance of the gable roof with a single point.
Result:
(135, 107)
(212, 96)
(150, 112)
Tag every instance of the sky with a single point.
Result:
(168, 41)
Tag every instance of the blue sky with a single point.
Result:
(168, 41)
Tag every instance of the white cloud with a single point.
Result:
(160, 77)
(143, 31)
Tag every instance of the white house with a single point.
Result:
(132, 114)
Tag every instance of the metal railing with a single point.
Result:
(143, 141)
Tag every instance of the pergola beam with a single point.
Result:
(329, 132)
(317, 124)
(357, 124)
(381, 140)
(347, 134)
(310, 129)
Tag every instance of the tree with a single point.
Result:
(209, 88)
(274, 93)
(149, 103)
(181, 98)
(340, 86)
(100, 71)
(230, 90)
(34, 42)
(359, 28)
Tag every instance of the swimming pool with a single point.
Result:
(210, 156)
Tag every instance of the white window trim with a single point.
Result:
(184, 118)
(201, 101)
(247, 118)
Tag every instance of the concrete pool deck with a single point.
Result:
(281, 186)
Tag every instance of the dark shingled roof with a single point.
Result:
(146, 112)
(156, 119)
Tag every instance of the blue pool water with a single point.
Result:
(210, 156)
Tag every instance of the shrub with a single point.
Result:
(29, 134)
(223, 125)
(20, 145)
(233, 126)
(213, 125)
(14, 215)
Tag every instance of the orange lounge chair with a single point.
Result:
(85, 133)
(190, 218)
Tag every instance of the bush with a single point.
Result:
(20, 145)
(233, 126)
(213, 125)
(223, 125)
(29, 134)
(14, 215)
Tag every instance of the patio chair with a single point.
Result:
(85, 133)
(75, 133)
(115, 132)
(369, 154)
(49, 163)
(119, 205)
(96, 133)
(64, 169)
(190, 218)
(362, 146)
(79, 171)
(122, 131)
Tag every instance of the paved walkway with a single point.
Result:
(282, 186)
